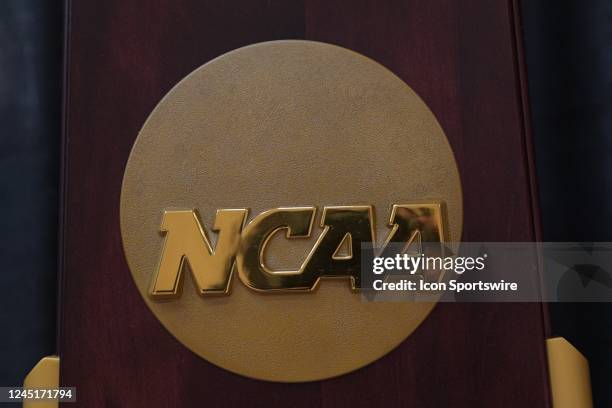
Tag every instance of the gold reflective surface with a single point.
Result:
(186, 246)
(274, 126)
(297, 222)
(568, 370)
(45, 374)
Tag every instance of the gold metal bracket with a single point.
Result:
(45, 374)
(568, 370)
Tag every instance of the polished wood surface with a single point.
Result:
(463, 58)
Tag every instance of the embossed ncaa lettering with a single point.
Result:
(187, 246)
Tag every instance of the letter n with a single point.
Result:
(186, 246)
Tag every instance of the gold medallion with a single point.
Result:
(249, 191)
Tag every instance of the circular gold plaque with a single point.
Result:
(282, 124)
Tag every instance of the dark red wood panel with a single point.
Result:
(462, 59)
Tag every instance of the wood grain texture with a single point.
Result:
(461, 57)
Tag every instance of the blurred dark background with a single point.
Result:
(30, 112)
(569, 62)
